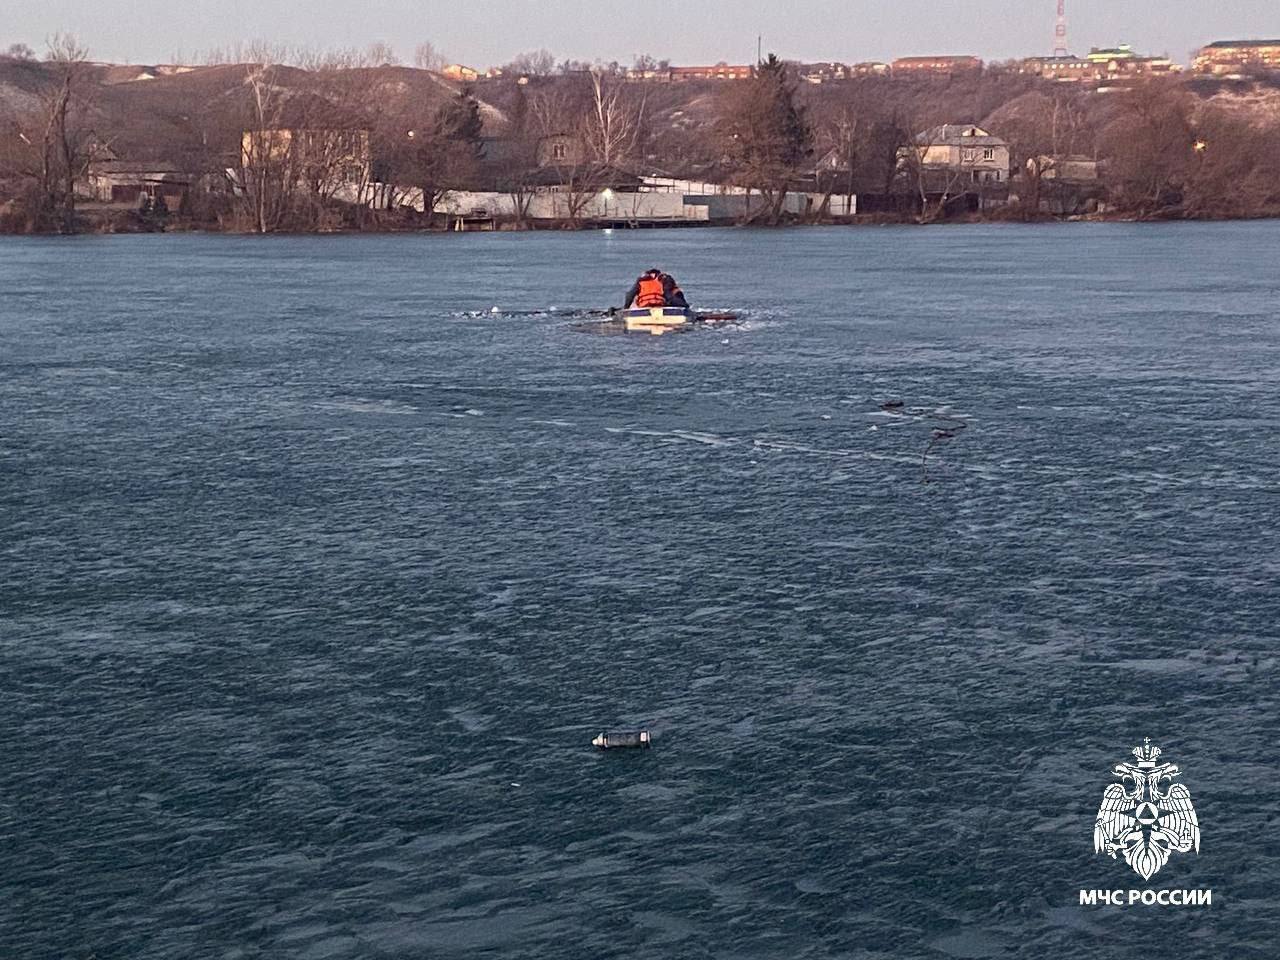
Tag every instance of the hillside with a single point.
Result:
(1164, 147)
(149, 112)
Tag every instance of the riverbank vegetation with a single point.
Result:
(261, 140)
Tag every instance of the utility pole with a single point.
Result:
(759, 49)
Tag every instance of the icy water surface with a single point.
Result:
(317, 577)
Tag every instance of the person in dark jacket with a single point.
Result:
(675, 296)
(655, 289)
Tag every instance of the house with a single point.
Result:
(823, 72)
(1121, 61)
(721, 71)
(869, 68)
(1071, 168)
(128, 181)
(1064, 69)
(1064, 185)
(456, 71)
(561, 150)
(934, 66)
(330, 154)
(834, 160)
(649, 74)
(1228, 57)
(962, 151)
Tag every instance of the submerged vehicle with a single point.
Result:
(656, 320)
(652, 320)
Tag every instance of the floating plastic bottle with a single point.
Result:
(615, 741)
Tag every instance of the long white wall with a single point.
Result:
(647, 205)
(606, 205)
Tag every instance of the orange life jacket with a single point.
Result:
(651, 293)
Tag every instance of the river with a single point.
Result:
(322, 561)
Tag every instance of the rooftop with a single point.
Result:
(958, 134)
(941, 58)
(1218, 44)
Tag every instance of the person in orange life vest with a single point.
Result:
(656, 289)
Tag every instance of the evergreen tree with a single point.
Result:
(458, 122)
(767, 135)
(448, 155)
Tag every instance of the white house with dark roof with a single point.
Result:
(963, 148)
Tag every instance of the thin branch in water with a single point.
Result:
(946, 428)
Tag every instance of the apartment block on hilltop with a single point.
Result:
(934, 66)
(1063, 69)
(1226, 57)
(1101, 64)
(721, 71)
(1122, 61)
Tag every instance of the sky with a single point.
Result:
(488, 32)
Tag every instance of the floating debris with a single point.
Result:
(617, 741)
(946, 427)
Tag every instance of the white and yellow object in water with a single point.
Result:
(655, 320)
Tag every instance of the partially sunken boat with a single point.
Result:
(653, 320)
(656, 320)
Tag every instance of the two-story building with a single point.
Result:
(961, 149)
(332, 155)
(561, 150)
(721, 71)
(905, 67)
(1063, 69)
(1122, 61)
(1228, 57)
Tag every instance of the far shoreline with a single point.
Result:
(115, 228)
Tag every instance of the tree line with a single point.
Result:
(299, 140)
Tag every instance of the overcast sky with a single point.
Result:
(486, 32)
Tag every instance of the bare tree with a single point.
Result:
(534, 63)
(940, 181)
(382, 54)
(841, 137)
(431, 152)
(427, 57)
(66, 138)
(1150, 144)
(516, 166)
(18, 51)
(1235, 171)
(562, 115)
(516, 176)
(268, 176)
(1041, 131)
(613, 127)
